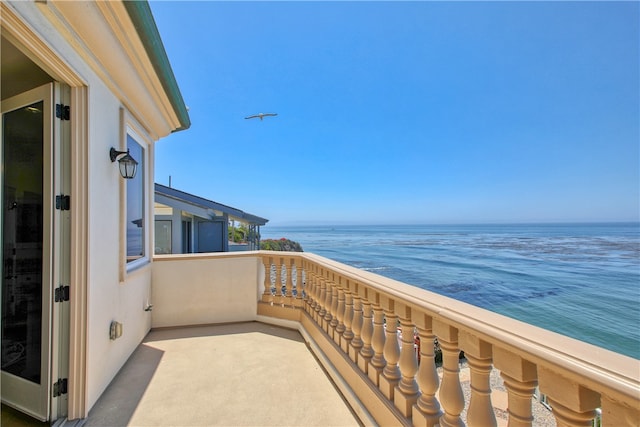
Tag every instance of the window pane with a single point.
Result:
(135, 204)
(163, 237)
(22, 235)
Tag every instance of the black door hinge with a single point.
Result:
(63, 202)
(60, 387)
(61, 294)
(63, 112)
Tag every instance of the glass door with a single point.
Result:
(26, 210)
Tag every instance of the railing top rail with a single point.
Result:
(585, 363)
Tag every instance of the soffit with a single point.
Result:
(17, 72)
(102, 33)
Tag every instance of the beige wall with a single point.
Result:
(202, 289)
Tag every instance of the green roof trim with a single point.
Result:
(142, 18)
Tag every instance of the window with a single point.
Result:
(135, 226)
(163, 236)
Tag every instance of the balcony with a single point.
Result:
(373, 337)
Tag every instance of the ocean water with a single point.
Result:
(581, 280)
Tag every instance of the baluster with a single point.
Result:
(451, 396)
(289, 280)
(326, 323)
(520, 380)
(278, 299)
(407, 392)
(315, 292)
(618, 414)
(426, 411)
(320, 307)
(378, 361)
(334, 309)
(356, 343)
(366, 352)
(300, 285)
(339, 316)
(347, 335)
(478, 354)
(391, 373)
(266, 295)
(310, 300)
(287, 295)
(573, 404)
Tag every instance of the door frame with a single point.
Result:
(22, 36)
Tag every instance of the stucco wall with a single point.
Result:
(112, 293)
(198, 289)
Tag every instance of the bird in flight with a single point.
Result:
(261, 115)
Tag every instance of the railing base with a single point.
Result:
(366, 400)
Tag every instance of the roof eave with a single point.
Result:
(142, 18)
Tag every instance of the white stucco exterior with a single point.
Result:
(94, 48)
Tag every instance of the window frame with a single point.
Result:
(130, 128)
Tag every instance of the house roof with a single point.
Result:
(200, 202)
(142, 18)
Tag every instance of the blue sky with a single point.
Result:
(407, 112)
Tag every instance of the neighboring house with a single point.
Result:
(78, 79)
(185, 223)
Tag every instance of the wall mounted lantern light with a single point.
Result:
(127, 164)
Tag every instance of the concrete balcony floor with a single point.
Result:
(244, 374)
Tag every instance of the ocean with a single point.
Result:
(580, 280)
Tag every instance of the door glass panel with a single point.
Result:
(22, 228)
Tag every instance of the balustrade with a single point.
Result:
(426, 411)
(407, 392)
(391, 372)
(390, 338)
(378, 361)
(355, 345)
(339, 321)
(347, 334)
(366, 352)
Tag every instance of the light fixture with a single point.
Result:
(127, 164)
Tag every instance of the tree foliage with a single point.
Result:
(280, 245)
